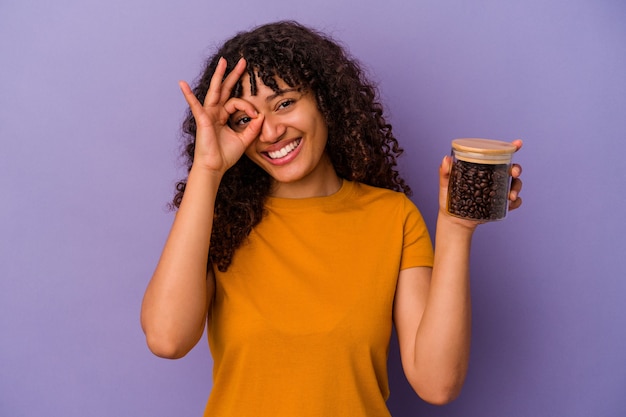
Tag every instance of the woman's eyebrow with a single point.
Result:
(279, 93)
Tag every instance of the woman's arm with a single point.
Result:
(177, 298)
(432, 314)
(175, 305)
(432, 310)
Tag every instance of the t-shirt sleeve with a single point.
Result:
(417, 248)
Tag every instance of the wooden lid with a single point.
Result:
(483, 146)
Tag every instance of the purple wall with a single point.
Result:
(89, 119)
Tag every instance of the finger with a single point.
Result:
(190, 97)
(444, 179)
(445, 167)
(236, 104)
(239, 104)
(251, 132)
(515, 204)
(516, 188)
(518, 144)
(444, 172)
(232, 78)
(215, 86)
(516, 170)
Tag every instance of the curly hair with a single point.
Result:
(360, 142)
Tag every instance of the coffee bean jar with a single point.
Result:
(480, 179)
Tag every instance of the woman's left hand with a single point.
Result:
(515, 200)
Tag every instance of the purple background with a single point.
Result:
(89, 123)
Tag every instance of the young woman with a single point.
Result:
(295, 238)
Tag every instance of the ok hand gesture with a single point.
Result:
(218, 147)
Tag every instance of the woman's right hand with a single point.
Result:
(218, 147)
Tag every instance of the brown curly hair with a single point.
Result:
(360, 142)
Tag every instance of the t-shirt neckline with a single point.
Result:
(286, 203)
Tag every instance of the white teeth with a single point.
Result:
(284, 151)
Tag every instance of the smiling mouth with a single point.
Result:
(286, 150)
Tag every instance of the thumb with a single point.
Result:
(444, 179)
(444, 171)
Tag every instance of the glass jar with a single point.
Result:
(480, 179)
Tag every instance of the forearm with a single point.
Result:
(175, 304)
(442, 341)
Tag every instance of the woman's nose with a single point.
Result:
(272, 130)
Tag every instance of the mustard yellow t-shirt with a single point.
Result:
(301, 321)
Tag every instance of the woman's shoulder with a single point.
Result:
(364, 194)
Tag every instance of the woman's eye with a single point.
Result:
(244, 120)
(241, 121)
(286, 103)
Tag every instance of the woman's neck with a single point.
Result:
(322, 182)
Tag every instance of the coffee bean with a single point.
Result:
(478, 191)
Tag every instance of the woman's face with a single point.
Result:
(292, 142)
